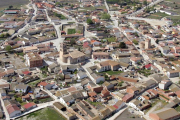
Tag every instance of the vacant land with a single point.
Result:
(5, 3)
(126, 115)
(44, 114)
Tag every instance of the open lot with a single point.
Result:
(44, 114)
(17, 62)
(126, 115)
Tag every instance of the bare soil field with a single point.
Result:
(5, 3)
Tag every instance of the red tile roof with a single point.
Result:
(147, 66)
(12, 108)
(42, 84)
(26, 72)
(91, 94)
(29, 105)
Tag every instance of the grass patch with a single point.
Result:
(177, 108)
(71, 31)
(175, 20)
(94, 8)
(163, 103)
(34, 82)
(71, 22)
(94, 103)
(20, 54)
(112, 72)
(23, 103)
(111, 39)
(45, 100)
(45, 114)
(60, 16)
(158, 15)
(145, 72)
(154, 102)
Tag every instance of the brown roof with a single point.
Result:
(76, 54)
(127, 97)
(92, 94)
(11, 108)
(100, 53)
(104, 91)
(128, 79)
(109, 62)
(34, 56)
(42, 84)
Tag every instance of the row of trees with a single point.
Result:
(4, 35)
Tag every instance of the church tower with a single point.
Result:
(62, 52)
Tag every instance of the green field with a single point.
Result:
(71, 31)
(111, 39)
(44, 114)
(175, 19)
(157, 15)
(113, 72)
(93, 8)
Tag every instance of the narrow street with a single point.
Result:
(4, 108)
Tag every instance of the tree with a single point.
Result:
(136, 34)
(7, 35)
(19, 100)
(105, 16)
(53, 34)
(2, 35)
(57, 3)
(145, 2)
(122, 45)
(72, 42)
(89, 21)
(157, 41)
(135, 42)
(8, 48)
(10, 7)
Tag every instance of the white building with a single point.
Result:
(81, 75)
(164, 84)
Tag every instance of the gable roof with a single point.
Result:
(29, 105)
(42, 84)
(166, 113)
(12, 108)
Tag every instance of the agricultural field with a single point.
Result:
(173, 5)
(15, 3)
(5, 3)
